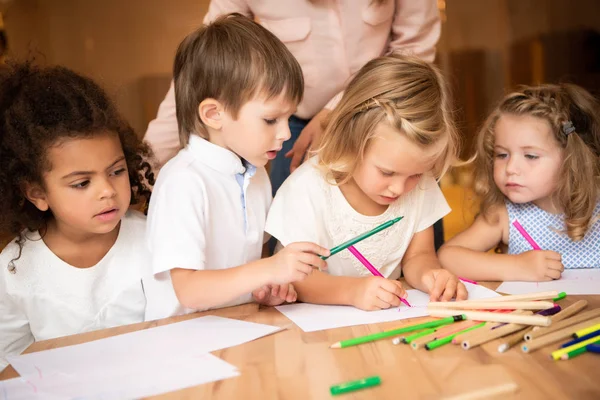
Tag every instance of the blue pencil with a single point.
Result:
(593, 348)
(581, 339)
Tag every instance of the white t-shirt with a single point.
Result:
(207, 212)
(308, 208)
(47, 298)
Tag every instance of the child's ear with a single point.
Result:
(211, 112)
(36, 195)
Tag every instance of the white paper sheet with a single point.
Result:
(573, 281)
(200, 335)
(146, 362)
(155, 377)
(21, 389)
(315, 317)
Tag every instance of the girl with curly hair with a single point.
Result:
(70, 166)
(538, 163)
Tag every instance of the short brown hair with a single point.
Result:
(231, 60)
(404, 91)
(579, 185)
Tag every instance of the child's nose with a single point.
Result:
(107, 190)
(284, 133)
(512, 167)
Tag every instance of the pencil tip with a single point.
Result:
(335, 346)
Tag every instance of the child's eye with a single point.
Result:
(501, 156)
(119, 171)
(271, 121)
(80, 185)
(531, 156)
(416, 176)
(386, 173)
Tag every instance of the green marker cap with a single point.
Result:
(561, 296)
(355, 385)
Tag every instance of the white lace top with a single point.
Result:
(308, 208)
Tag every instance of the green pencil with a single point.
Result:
(365, 235)
(415, 336)
(574, 353)
(395, 332)
(434, 344)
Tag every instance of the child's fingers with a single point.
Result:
(292, 295)
(449, 289)
(379, 304)
(304, 268)
(437, 289)
(313, 260)
(400, 288)
(393, 287)
(260, 294)
(283, 291)
(310, 247)
(461, 292)
(275, 290)
(388, 297)
(553, 273)
(556, 265)
(552, 255)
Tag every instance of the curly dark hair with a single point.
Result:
(40, 106)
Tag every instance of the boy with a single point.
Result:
(236, 85)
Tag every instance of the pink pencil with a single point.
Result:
(523, 232)
(370, 267)
(467, 280)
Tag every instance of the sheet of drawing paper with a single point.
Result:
(573, 281)
(315, 317)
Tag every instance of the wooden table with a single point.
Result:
(293, 364)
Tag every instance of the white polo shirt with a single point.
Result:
(208, 211)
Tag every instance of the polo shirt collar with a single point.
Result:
(216, 157)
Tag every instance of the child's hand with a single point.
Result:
(540, 265)
(442, 285)
(274, 295)
(376, 293)
(296, 261)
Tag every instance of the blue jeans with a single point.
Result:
(280, 170)
(280, 167)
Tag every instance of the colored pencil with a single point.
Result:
(492, 317)
(524, 233)
(586, 331)
(566, 313)
(553, 337)
(394, 332)
(580, 339)
(523, 297)
(483, 305)
(371, 268)
(558, 353)
(448, 339)
(593, 316)
(363, 236)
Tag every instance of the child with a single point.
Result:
(385, 143)
(236, 85)
(70, 166)
(538, 163)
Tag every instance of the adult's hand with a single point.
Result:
(310, 135)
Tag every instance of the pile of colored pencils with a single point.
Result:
(534, 319)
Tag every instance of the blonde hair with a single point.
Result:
(231, 60)
(406, 92)
(560, 105)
